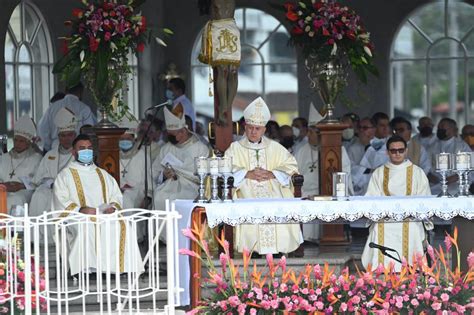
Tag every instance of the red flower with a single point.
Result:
(290, 13)
(140, 47)
(325, 32)
(64, 47)
(77, 13)
(143, 24)
(297, 30)
(350, 35)
(330, 41)
(107, 36)
(94, 44)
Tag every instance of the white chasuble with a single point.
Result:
(19, 167)
(271, 156)
(181, 158)
(132, 177)
(79, 186)
(52, 163)
(407, 237)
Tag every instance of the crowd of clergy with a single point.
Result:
(52, 169)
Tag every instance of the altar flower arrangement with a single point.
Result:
(103, 33)
(12, 285)
(276, 289)
(328, 30)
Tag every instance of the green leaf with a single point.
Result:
(168, 31)
(73, 76)
(102, 71)
(63, 62)
(302, 4)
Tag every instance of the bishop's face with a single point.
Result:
(254, 133)
(20, 143)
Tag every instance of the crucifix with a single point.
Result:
(124, 172)
(313, 167)
(12, 174)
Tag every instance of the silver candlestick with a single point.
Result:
(443, 164)
(463, 161)
(201, 170)
(466, 182)
(225, 168)
(214, 173)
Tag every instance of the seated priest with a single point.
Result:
(263, 169)
(132, 166)
(174, 166)
(18, 167)
(53, 162)
(307, 158)
(398, 177)
(83, 187)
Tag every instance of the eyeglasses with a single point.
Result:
(395, 151)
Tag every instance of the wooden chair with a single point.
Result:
(3, 205)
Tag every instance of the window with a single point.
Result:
(28, 64)
(130, 95)
(432, 63)
(268, 68)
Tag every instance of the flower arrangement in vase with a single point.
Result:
(420, 288)
(103, 33)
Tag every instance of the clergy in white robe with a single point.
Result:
(174, 167)
(52, 163)
(447, 141)
(425, 136)
(47, 129)
(18, 167)
(84, 187)
(307, 158)
(399, 177)
(263, 169)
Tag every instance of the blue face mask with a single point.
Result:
(85, 156)
(125, 145)
(169, 94)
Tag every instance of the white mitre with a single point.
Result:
(257, 113)
(130, 122)
(65, 120)
(314, 115)
(25, 127)
(175, 119)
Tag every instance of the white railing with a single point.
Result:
(39, 248)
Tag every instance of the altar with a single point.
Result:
(257, 211)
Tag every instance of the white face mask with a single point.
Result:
(296, 132)
(348, 134)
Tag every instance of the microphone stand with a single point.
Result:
(384, 252)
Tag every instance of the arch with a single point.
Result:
(268, 68)
(431, 62)
(28, 64)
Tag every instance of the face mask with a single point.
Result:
(85, 156)
(441, 134)
(348, 134)
(426, 131)
(169, 94)
(377, 143)
(287, 142)
(172, 139)
(125, 145)
(296, 132)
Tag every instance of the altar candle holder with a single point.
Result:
(225, 168)
(214, 173)
(340, 186)
(201, 166)
(443, 165)
(466, 174)
(463, 161)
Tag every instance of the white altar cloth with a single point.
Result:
(297, 210)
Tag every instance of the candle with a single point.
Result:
(340, 190)
(462, 161)
(202, 166)
(214, 166)
(225, 165)
(443, 161)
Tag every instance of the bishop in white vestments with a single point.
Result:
(399, 177)
(174, 167)
(263, 169)
(307, 158)
(84, 187)
(18, 167)
(53, 162)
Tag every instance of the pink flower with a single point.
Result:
(447, 242)
(431, 252)
(355, 299)
(414, 302)
(185, 251)
(107, 36)
(343, 307)
(253, 311)
(470, 260)
(189, 234)
(193, 312)
(436, 306)
(223, 259)
(444, 297)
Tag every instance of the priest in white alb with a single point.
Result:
(83, 187)
(53, 162)
(398, 177)
(263, 169)
(18, 167)
(307, 158)
(132, 165)
(174, 166)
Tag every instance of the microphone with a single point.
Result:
(381, 247)
(168, 102)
